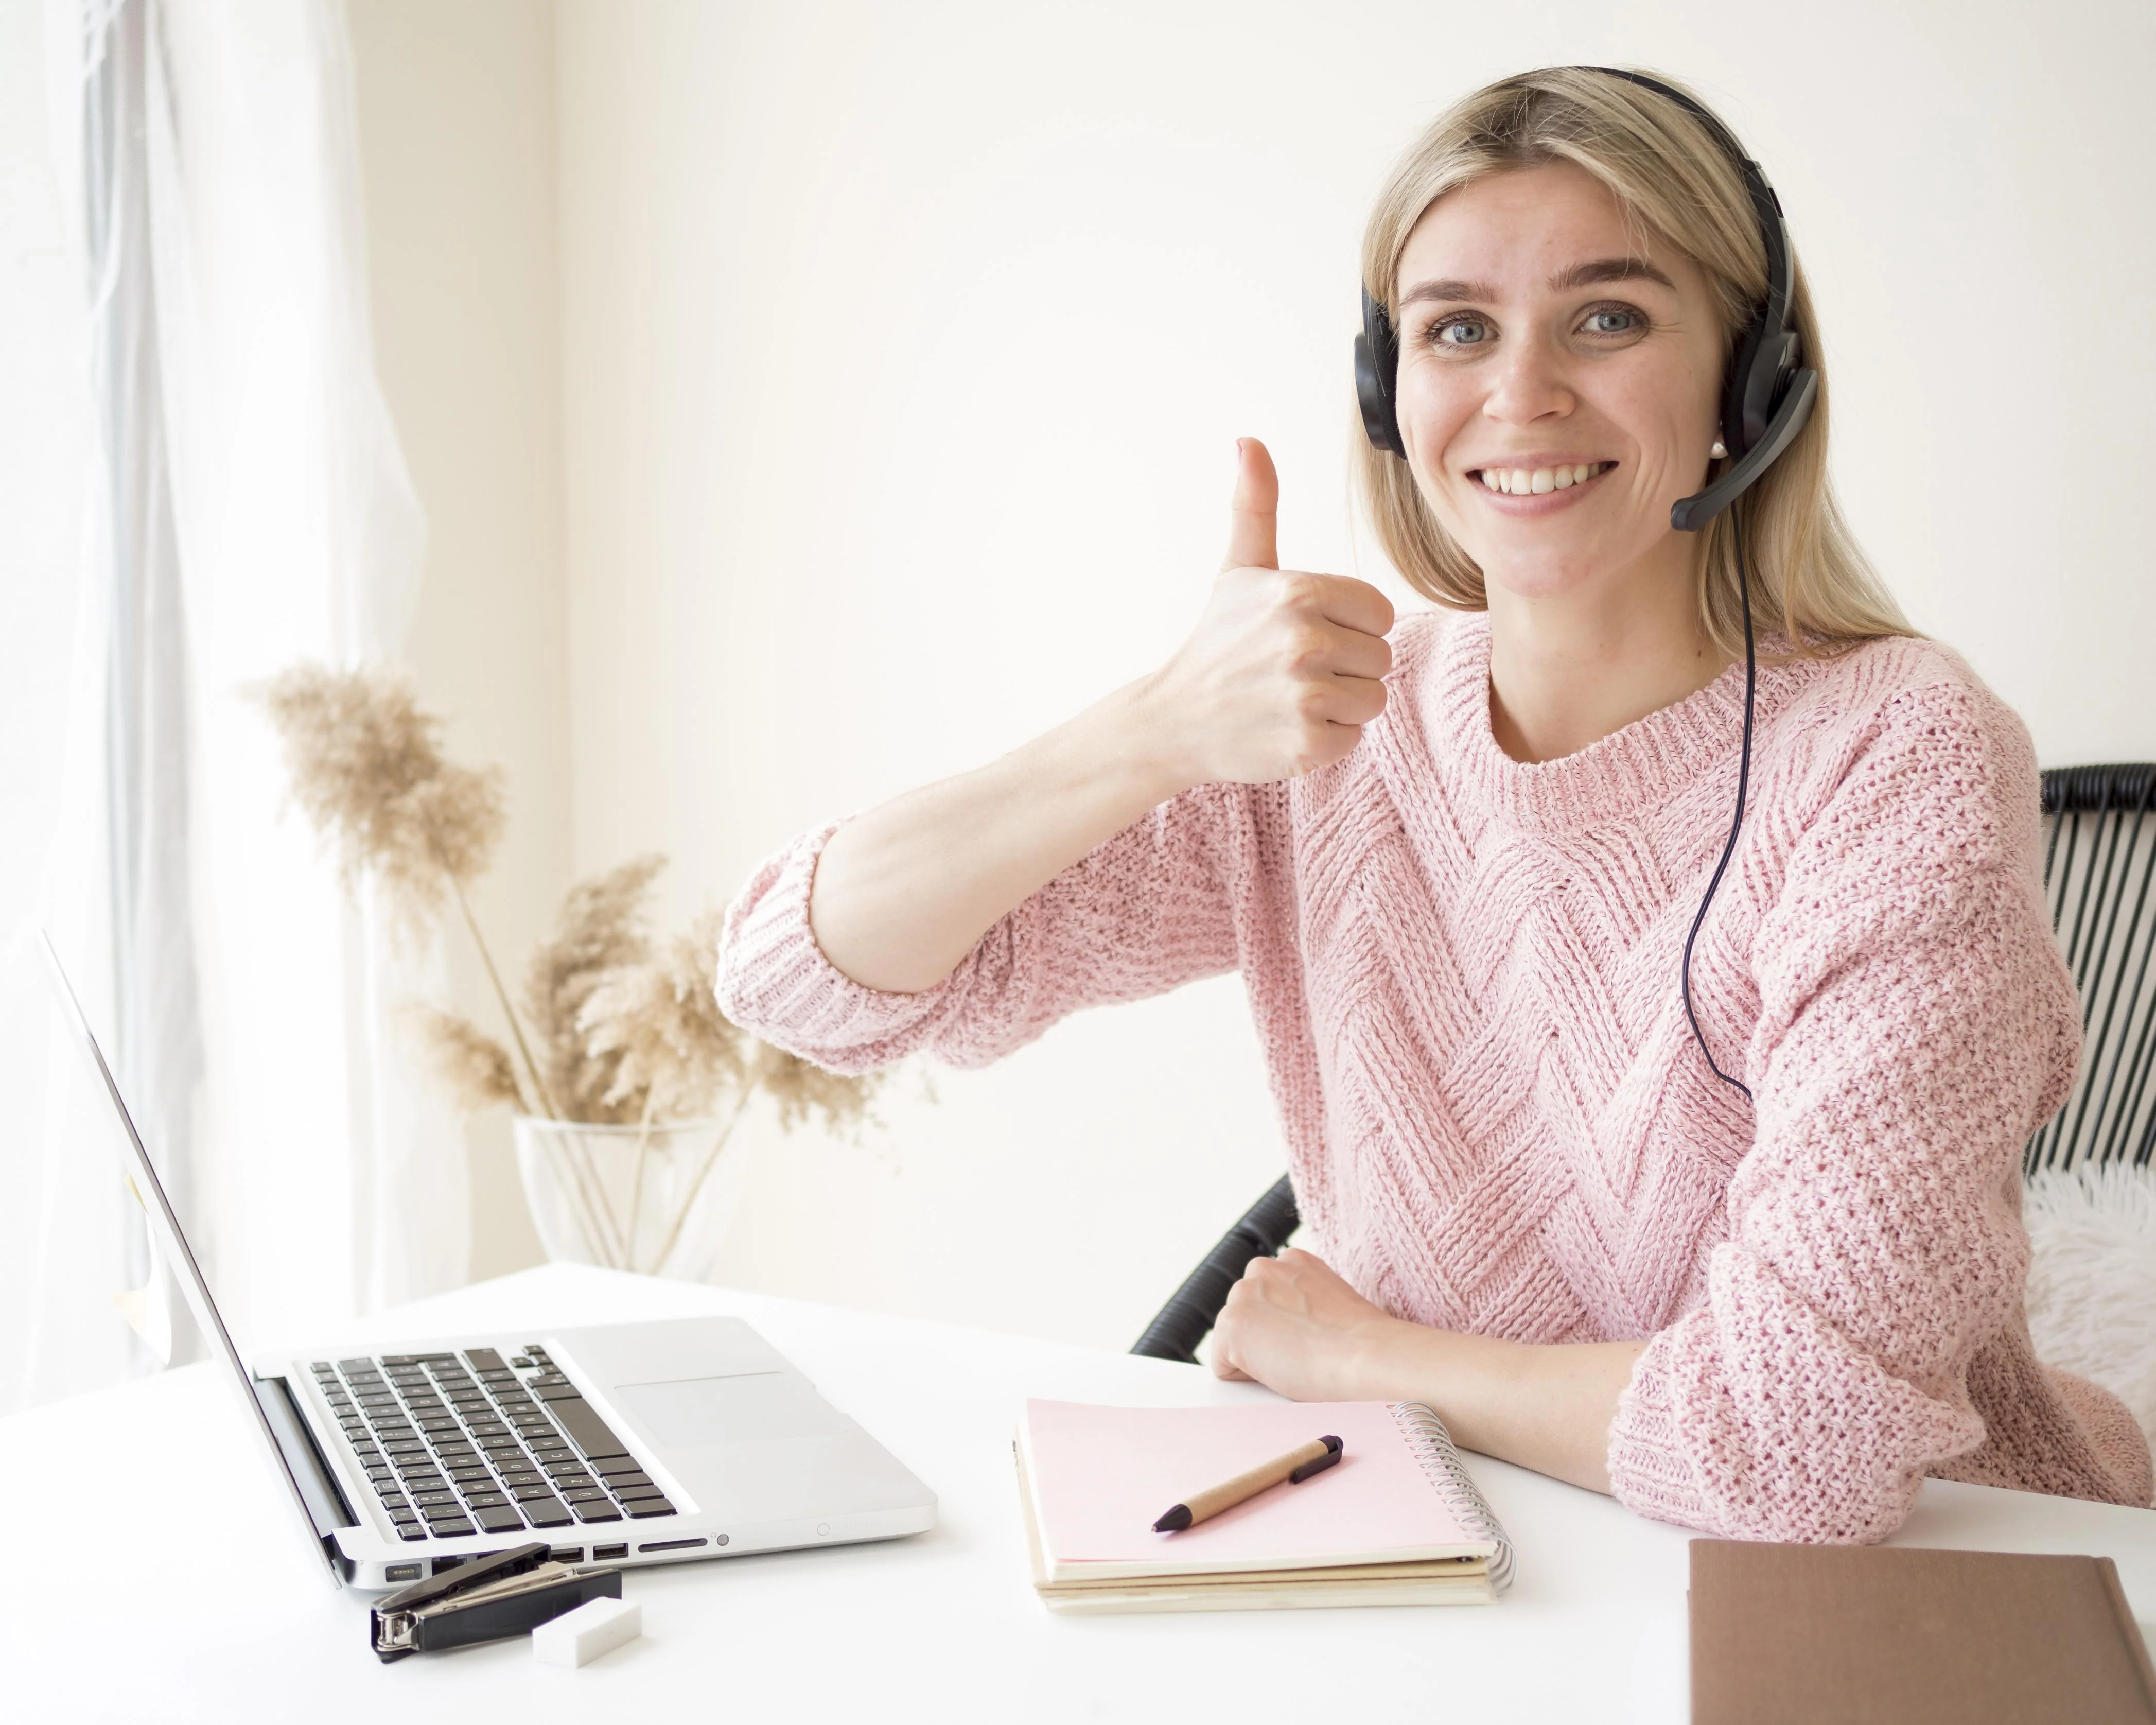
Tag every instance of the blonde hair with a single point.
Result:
(1670, 174)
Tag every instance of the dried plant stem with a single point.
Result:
(587, 1217)
(501, 994)
(589, 1183)
(688, 1203)
(636, 1186)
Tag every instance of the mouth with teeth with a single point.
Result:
(1523, 481)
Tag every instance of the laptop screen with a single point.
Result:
(172, 1247)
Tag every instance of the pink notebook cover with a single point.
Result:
(1101, 1477)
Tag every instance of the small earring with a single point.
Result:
(1718, 451)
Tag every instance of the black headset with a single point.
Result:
(1767, 394)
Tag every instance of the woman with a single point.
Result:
(1457, 872)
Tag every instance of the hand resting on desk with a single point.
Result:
(1294, 1326)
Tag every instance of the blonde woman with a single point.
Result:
(1456, 861)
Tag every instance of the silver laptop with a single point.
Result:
(646, 1443)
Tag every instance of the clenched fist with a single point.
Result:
(1283, 669)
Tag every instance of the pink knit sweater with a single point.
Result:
(1464, 971)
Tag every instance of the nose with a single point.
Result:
(1529, 383)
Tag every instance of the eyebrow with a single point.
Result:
(1588, 274)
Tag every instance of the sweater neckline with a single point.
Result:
(1634, 767)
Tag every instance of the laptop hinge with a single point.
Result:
(326, 1506)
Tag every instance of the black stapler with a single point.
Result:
(508, 1592)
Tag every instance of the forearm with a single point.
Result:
(904, 892)
(1548, 1407)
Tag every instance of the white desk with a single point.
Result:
(166, 1586)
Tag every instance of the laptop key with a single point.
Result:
(613, 1466)
(642, 1509)
(546, 1512)
(630, 1494)
(587, 1430)
(498, 1520)
(602, 1511)
(634, 1476)
(410, 1530)
(585, 1494)
(529, 1494)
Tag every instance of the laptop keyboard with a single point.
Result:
(456, 1444)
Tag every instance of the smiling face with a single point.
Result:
(1559, 382)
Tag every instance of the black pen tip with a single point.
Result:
(1175, 1521)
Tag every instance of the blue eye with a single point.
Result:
(1612, 320)
(1473, 331)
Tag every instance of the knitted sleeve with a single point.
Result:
(1916, 1023)
(1146, 912)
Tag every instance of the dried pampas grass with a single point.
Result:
(367, 769)
(476, 1067)
(620, 1032)
(675, 1055)
(600, 930)
(802, 1089)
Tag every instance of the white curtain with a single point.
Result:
(246, 506)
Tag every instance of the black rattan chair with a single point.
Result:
(2099, 854)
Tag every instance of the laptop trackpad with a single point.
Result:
(689, 1413)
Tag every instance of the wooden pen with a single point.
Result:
(1298, 1465)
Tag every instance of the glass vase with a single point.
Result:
(657, 1199)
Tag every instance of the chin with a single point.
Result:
(1545, 577)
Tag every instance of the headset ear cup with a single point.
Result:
(1379, 424)
(1746, 407)
(1377, 373)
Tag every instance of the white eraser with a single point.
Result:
(580, 1636)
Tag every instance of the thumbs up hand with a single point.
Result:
(1283, 669)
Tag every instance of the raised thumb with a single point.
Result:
(1253, 532)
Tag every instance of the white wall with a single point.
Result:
(902, 350)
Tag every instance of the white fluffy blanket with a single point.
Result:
(2092, 1285)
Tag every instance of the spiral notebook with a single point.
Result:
(1398, 1521)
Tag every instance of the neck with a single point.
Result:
(1567, 669)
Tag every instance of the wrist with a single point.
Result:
(1386, 1359)
(1142, 732)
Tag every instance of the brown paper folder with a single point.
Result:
(1855, 1635)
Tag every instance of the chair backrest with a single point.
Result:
(2099, 854)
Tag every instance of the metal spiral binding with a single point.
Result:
(1433, 1449)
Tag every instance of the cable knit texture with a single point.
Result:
(1464, 971)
